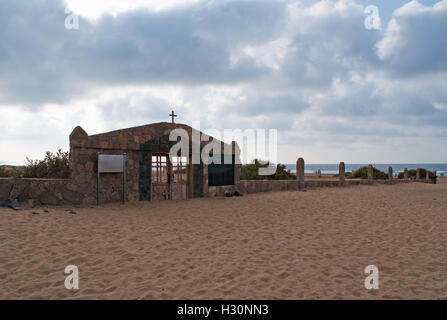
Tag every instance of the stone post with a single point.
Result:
(418, 174)
(300, 173)
(406, 174)
(427, 175)
(390, 173)
(237, 164)
(370, 172)
(341, 173)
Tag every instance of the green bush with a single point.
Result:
(250, 171)
(362, 173)
(52, 166)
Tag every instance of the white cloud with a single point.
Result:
(440, 106)
(392, 40)
(415, 40)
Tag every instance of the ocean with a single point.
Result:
(441, 168)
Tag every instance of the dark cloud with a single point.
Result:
(137, 107)
(328, 45)
(43, 62)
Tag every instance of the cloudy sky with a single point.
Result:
(334, 89)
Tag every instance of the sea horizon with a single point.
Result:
(332, 168)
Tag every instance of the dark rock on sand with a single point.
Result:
(10, 203)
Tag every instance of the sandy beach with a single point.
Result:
(285, 245)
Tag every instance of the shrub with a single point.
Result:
(362, 173)
(250, 171)
(52, 166)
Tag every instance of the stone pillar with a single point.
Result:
(300, 173)
(418, 174)
(78, 141)
(237, 164)
(341, 173)
(406, 174)
(390, 173)
(370, 172)
(427, 175)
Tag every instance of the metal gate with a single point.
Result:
(168, 178)
(179, 178)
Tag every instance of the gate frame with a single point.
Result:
(170, 178)
(168, 165)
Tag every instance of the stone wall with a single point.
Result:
(42, 191)
(84, 176)
(65, 191)
(256, 186)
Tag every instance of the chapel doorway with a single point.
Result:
(168, 177)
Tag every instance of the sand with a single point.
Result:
(285, 245)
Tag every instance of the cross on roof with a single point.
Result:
(173, 116)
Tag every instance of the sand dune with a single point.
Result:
(286, 245)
